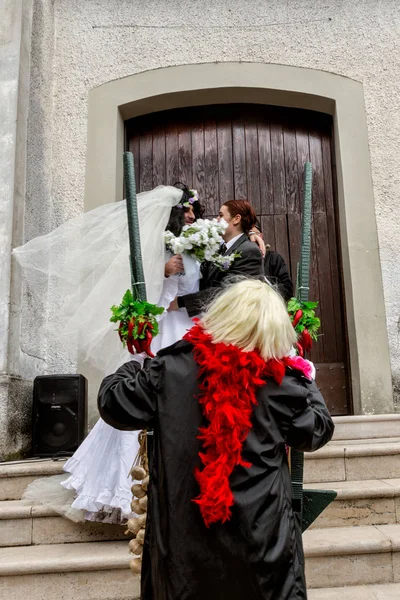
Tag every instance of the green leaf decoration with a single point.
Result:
(310, 305)
(140, 313)
(308, 318)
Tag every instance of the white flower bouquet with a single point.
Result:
(202, 240)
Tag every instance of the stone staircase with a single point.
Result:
(46, 557)
(352, 551)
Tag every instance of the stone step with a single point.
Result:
(16, 476)
(367, 502)
(335, 557)
(390, 591)
(86, 571)
(341, 460)
(344, 556)
(359, 427)
(354, 461)
(24, 525)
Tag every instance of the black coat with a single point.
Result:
(249, 264)
(258, 554)
(277, 274)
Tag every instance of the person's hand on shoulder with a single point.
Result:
(254, 237)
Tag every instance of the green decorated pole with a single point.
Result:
(136, 318)
(310, 503)
(304, 268)
(303, 276)
(136, 262)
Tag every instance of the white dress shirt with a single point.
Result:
(232, 241)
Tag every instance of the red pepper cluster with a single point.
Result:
(144, 336)
(304, 342)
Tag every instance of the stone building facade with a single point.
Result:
(73, 72)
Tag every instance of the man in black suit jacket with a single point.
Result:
(240, 216)
(275, 269)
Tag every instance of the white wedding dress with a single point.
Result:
(84, 264)
(96, 485)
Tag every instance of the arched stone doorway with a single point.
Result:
(258, 152)
(111, 104)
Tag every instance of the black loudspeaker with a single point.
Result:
(59, 414)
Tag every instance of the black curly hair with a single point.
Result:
(177, 216)
(198, 209)
(176, 221)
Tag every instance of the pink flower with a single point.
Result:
(301, 364)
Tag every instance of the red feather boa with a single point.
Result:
(229, 378)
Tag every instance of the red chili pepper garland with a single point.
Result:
(297, 317)
(137, 323)
(306, 340)
(306, 324)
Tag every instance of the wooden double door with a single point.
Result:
(257, 152)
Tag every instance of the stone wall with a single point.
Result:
(15, 385)
(79, 45)
(96, 41)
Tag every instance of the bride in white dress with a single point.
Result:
(96, 483)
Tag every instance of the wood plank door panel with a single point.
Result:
(258, 152)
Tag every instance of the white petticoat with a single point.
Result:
(48, 491)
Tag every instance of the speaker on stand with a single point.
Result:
(59, 414)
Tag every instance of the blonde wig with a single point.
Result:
(250, 315)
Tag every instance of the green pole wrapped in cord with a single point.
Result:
(303, 276)
(310, 503)
(136, 262)
(136, 318)
(304, 270)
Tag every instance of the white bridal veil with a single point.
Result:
(85, 262)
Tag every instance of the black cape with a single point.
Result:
(258, 554)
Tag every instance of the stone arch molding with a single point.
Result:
(192, 85)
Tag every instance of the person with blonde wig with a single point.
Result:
(224, 402)
(252, 316)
